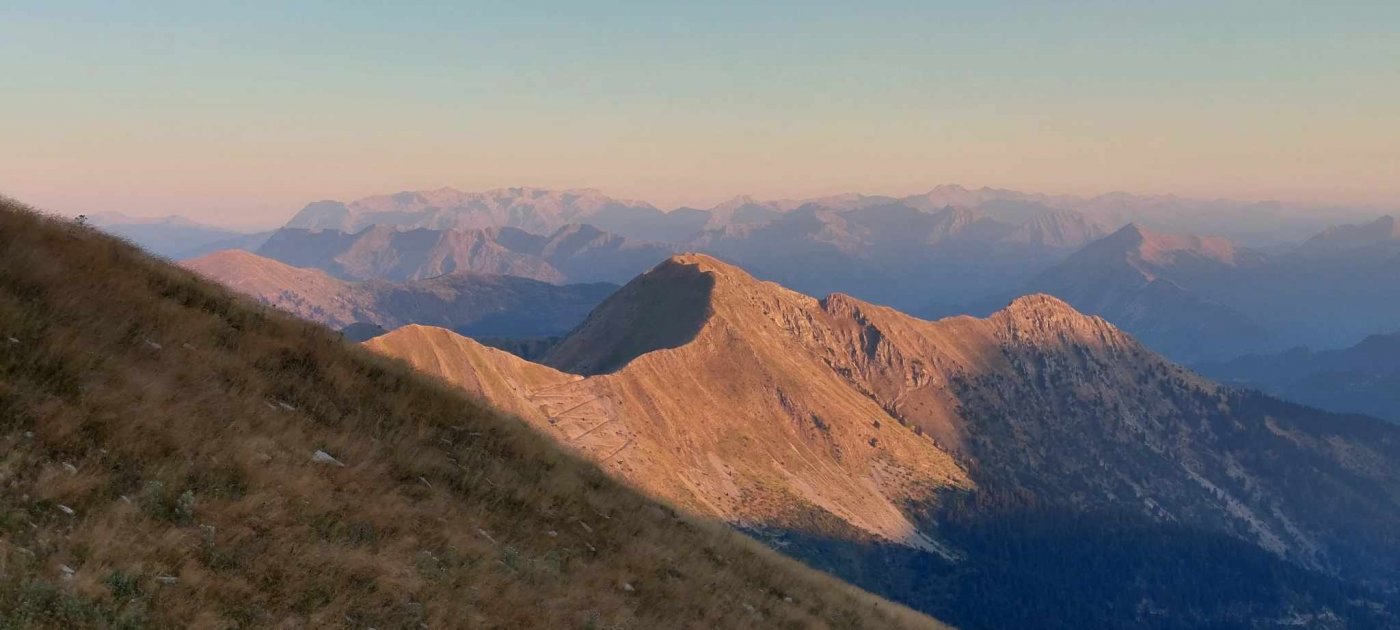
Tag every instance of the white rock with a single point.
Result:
(13, 340)
(167, 579)
(67, 571)
(65, 509)
(72, 470)
(322, 457)
(627, 587)
(153, 345)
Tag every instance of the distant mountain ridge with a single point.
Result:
(531, 209)
(1141, 280)
(1331, 291)
(947, 251)
(897, 254)
(175, 237)
(885, 250)
(474, 304)
(1364, 378)
(543, 211)
(573, 253)
(1385, 230)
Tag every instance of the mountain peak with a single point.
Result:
(1041, 304)
(229, 256)
(737, 201)
(1132, 231)
(701, 262)
(662, 308)
(1385, 229)
(1166, 248)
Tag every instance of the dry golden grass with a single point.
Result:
(177, 422)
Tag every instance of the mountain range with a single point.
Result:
(952, 250)
(543, 211)
(1035, 467)
(1200, 298)
(912, 456)
(896, 254)
(474, 304)
(955, 250)
(175, 456)
(531, 209)
(891, 252)
(572, 253)
(1143, 281)
(174, 237)
(1364, 378)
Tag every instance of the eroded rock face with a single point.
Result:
(774, 409)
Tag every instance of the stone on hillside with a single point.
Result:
(322, 457)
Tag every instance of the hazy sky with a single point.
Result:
(243, 114)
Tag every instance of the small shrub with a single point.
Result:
(123, 585)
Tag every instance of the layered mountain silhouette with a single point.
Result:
(1364, 378)
(175, 237)
(1381, 236)
(862, 437)
(572, 253)
(886, 251)
(897, 254)
(948, 251)
(1148, 282)
(1330, 292)
(543, 211)
(1199, 298)
(475, 304)
(532, 209)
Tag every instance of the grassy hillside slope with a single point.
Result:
(158, 466)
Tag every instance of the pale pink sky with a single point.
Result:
(234, 115)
